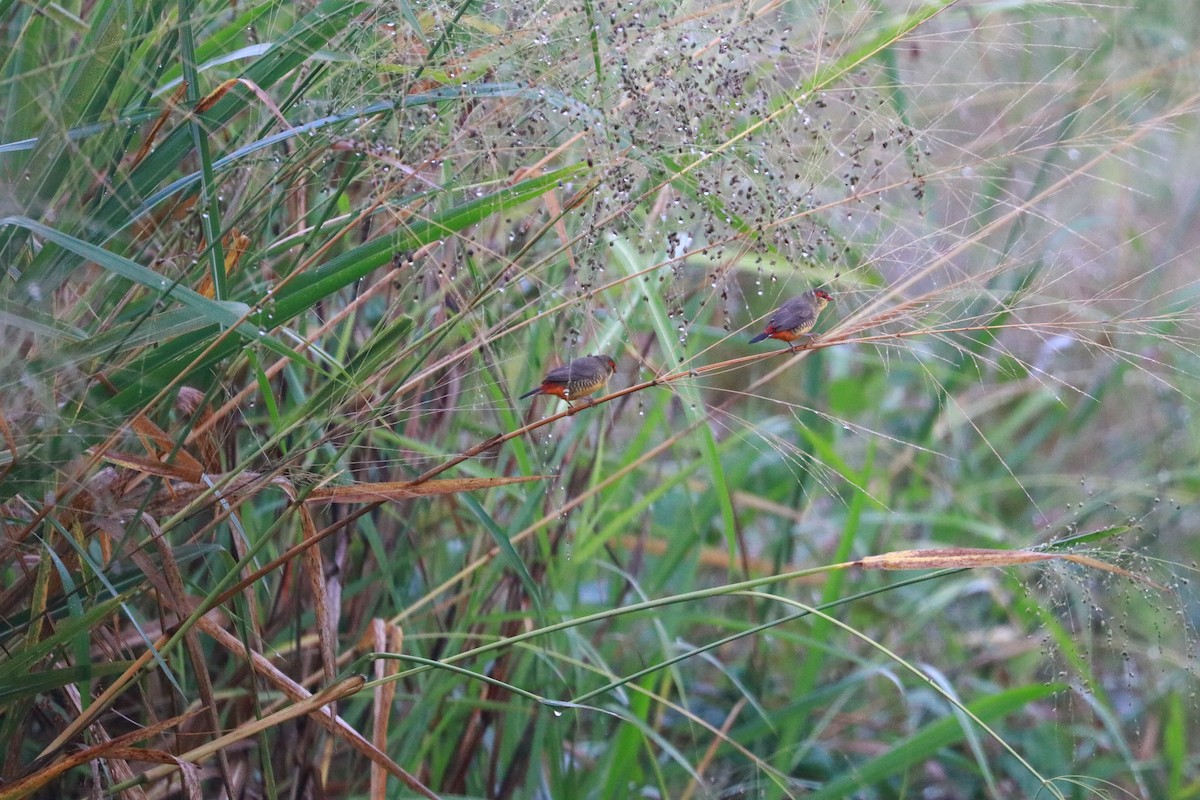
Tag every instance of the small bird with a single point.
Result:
(580, 378)
(796, 317)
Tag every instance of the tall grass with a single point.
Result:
(275, 524)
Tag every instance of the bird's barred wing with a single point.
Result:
(567, 373)
(794, 315)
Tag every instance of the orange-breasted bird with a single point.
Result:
(796, 317)
(581, 377)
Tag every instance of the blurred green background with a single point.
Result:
(271, 270)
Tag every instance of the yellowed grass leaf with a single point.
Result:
(976, 557)
(403, 490)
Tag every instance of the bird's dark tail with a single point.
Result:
(760, 337)
(530, 393)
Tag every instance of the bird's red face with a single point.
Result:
(823, 295)
(609, 364)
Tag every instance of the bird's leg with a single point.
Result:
(808, 340)
(584, 403)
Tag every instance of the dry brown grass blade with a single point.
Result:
(306, 706)
(260, 664)
(210, 99)
(211, 625)
(326, 621)
(327, 607)
(710, 752)
(404, 490)
(33, 782)
(118, 767)
(164, 445)
(315, 567)
(294, 691)
(189, 772)
(385, 638)
(156, 128)
(105, 699)
(174, 586)
(152, 466)
(190, 403)
(951, 558)
(235, 244)
(267, 102)
(977, 557)
(10, 444)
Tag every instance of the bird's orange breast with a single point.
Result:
(569, 390)
(788, 334)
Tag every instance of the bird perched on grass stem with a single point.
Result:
(795, 318)
(581, 377)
